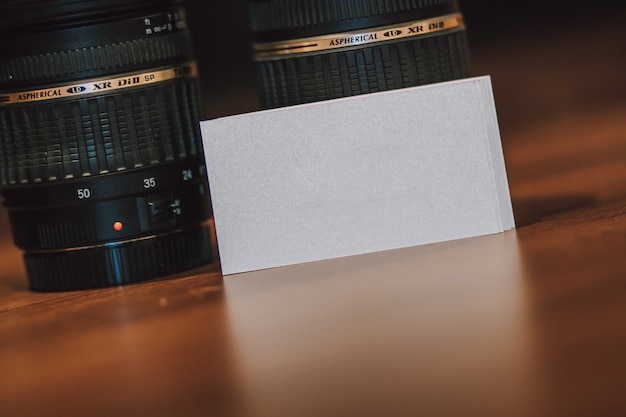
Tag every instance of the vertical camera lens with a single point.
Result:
(101, 162)
(309, 50)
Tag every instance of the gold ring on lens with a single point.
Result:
(269, 50)
(100, 85)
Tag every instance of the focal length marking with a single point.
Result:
(100, 85)
(271, 50)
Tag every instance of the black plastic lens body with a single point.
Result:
(309, 50)
(101, 162)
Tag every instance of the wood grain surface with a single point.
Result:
(530, 322)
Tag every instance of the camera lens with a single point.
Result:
(309, 50)
(101, 162)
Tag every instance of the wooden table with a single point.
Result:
(530, 322)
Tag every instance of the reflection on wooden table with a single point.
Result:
(526, 323)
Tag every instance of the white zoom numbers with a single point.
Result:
(149, 183)
(83, 193)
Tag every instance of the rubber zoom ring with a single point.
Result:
(125, 263)
(99, 134)
(285, 14)
(385, 66)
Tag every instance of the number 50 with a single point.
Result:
(83, 193)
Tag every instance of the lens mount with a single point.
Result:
(120, 263)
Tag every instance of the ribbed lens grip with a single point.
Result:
(387, 66)
(98, 135)
(92, 61)
(123, 263)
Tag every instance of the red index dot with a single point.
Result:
(118, 226)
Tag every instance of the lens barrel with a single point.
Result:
(308, 50)
(101, 162)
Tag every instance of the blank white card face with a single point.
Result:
(357, 175)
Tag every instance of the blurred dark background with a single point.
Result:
(561, 39)
(552, 63)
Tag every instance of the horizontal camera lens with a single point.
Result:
(308, 50)
(101, 163)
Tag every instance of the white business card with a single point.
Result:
(357, 175)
